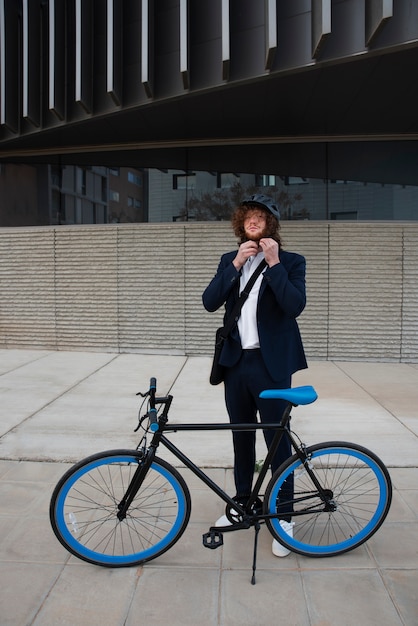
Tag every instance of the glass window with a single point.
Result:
(134, 179)
(176, 195)
(69, 211)
(83, 182)
(184, 181)
(226, 181)
(57, 215)
(100, 214)
(56, 176)
(265, 180)
(103, 180)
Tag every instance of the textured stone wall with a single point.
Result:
(137, 288)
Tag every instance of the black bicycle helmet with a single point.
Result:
(259, 199)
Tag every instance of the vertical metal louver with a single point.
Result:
(226, 51)
(2, 64)
(9, 61)
(31, 98)
(146, 32)
(184, 43)
(321, 24)
(56, 58)
(83, 54)
(377, 13)
(114, 50)
(271, 32)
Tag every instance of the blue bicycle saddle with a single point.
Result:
(297, 395)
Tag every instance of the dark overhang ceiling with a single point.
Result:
(354, 119)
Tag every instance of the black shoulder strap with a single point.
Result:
(233, 318)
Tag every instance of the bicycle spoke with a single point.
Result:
(85, 507)
(354, 502)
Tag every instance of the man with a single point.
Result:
(265, 347)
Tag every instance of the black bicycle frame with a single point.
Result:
(281, 428)
(159, 438)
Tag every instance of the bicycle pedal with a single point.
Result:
(213, 539)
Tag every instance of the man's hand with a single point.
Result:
(246, 249)
(270, 247)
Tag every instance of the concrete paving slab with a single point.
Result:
(84, 596)
(403, 588)
(24, 588)
(31, 387)
(278, 597)
(181, 596)
(345, 598)
(13, 359)
(404, 479)
(403, 509)
(396, 545)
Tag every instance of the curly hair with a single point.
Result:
(272, 223)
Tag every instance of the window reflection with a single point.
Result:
(69, 194)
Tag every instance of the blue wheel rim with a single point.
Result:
(359, 537)
(108, 559)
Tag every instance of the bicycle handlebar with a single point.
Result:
(152, 390)
(152, 413)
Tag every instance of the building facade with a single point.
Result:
(310, 100)
(317, 89)
(39, 195)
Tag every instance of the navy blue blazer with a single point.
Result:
(281, 300)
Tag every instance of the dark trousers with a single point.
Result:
(243, 384)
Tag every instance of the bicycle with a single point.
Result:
(121, 508)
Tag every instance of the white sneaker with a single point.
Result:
(277, 548)
(223, 521)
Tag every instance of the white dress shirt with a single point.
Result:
(247, 322)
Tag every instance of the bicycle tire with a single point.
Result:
(362, 494)
(84, 507)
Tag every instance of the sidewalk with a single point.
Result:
(57, 407)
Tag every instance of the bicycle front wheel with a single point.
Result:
(357, 490)
(84, 507)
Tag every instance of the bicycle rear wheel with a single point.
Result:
(84, 507)
(358, 490)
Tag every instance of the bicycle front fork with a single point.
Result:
(135, 484)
